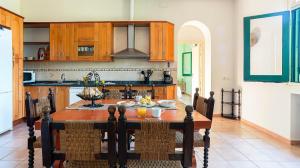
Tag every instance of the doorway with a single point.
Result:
(194, 60)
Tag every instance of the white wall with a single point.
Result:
(74, 10)
(268, 105)
(12, 5)
(218, 15)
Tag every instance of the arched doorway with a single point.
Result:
(194, 37)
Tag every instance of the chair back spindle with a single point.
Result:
(153, 139)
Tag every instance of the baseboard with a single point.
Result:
(270, 133)
(217, 115)
(295, 142)
(18, 121)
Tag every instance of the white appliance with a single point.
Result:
(6, 68)
(73, 98)
(28, 76)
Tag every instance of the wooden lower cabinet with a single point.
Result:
(61, 94)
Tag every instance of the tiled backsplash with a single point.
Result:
(119, 69)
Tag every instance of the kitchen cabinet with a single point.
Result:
(15, 23)
(86, 32)
(18, 96)
(5, 19)
(61, 94)
(161, 41)
(81, 41)
(62, 46)
(105, 43)
(17, 36)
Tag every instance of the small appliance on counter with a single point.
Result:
(147, 74)
(168, 79)
(28, 76)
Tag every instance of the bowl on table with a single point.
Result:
(167, 103)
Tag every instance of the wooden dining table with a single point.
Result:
(168, 115)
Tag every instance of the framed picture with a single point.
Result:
(187, 64)
(266, 47)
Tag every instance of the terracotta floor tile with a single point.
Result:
(17, 155)
(242, 164)
(233, 145)
(8, 164)
(268, 164)
(290, 164)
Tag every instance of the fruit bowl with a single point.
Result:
(91, 94)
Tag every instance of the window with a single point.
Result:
(295, 53)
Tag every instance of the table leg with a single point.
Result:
(206, 139)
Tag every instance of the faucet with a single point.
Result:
(62, 78)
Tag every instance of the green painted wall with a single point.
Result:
(188, 79)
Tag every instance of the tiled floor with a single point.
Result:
(234, 145)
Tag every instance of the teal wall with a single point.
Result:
(188, 79)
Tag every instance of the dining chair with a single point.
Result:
(144, 93)
(80, 142)
(33, 109)
(155, 142)
(205, 107)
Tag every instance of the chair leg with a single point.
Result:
(31, 158)
(206, 139)
(30, 147)
(128, 141)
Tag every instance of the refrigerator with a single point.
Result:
(6, 80)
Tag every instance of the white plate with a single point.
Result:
(167, 103)
(126, 103)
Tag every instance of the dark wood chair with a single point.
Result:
(155, 142)
(80, 142)
(144, 93)
(206, 108)
(33, 109)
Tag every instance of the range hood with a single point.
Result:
(130, 51)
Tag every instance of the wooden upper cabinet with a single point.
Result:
(105, 44)
(57, 41)
(61, 42)
(161, 41)
(5, 18)
(86, 32)
(168, 41)
(156, 41)
(17, 36)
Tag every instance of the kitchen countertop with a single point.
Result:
(108, 83)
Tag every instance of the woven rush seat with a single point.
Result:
(86, 164)
(198, 139)
(153, 163)
(38, 142)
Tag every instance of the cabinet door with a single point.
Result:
(86, 32)
(57, 41)
(18, 97)
(171, 92)
(105, 43)
(168, 41)
(156, 41)
(159, 92)
(5, 18)
(17, 36)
